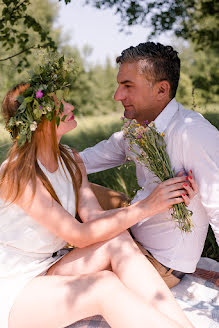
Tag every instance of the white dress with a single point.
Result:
(27, 248)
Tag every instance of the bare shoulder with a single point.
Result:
(28, 196)
(34, 198)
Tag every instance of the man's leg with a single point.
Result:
(108, 198)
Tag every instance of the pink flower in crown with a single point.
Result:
(39, 94)
(139, 136)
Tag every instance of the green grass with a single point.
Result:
(91, 130)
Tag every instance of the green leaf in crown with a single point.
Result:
(37, 101)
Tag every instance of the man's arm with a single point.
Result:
(200, 151)
(105, 155)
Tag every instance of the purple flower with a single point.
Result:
(146, 122)
(39, 94)
(139, 136)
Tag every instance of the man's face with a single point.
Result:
(137, 94)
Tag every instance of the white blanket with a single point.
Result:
(199, 298)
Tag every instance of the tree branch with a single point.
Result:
(19, 53)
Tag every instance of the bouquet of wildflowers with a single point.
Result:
(151, 151)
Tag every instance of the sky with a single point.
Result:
(99, 29)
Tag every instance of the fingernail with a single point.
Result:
(186, 178)
(190, 171)
(184, 184)
(183, 194)
(190, 177)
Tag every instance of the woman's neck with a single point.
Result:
(46, 157)
(45, 148)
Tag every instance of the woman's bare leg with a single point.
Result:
(58, 301)
(132, 268)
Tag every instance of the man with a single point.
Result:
(147, 82)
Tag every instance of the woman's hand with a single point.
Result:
(172, 191)
(190, 187)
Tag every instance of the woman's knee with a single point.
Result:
(105, 279)
(123, 239)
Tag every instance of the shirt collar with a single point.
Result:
(164, 118)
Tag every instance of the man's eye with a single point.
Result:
(128, 86)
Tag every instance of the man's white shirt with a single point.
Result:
(192, 144)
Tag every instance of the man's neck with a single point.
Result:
(157, 112)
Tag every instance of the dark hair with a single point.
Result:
(158, 61)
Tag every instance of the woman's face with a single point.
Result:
(69, 122)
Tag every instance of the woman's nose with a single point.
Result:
(68, 106)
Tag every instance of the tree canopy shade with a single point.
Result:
(16, 22)
(195, 20)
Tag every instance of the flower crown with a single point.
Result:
(37, 101)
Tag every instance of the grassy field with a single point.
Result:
(91, 130)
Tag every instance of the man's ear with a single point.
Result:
(163, 90)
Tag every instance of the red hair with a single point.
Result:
(22, 167)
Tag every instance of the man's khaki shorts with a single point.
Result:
(167, 274)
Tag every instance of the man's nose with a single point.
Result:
(118, 96)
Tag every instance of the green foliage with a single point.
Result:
(211, 247)
(203, 69)
(37, 101)
(199, 77)
(192, 20)
(17, 25)
(14, 71)
(195, 20)
(92, 90)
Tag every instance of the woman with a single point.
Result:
(106, 274)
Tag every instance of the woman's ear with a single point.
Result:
(163, 90)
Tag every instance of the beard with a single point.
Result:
(130, 114)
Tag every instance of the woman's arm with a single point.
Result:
(104, 224)
(90, 209)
